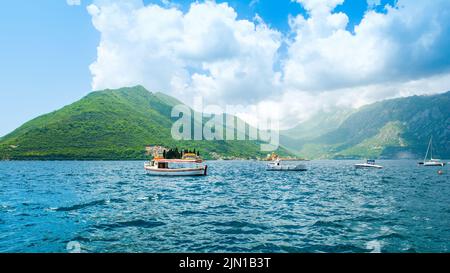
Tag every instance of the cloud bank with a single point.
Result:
(208, 51)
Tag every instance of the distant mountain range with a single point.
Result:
(110, 125)
(396, 128)
(117, 124)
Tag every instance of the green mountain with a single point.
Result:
(397, 128)
(319, 124)
(111, 124)
(117, 124)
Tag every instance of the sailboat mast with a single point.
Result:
(431, 148)
(428, 149)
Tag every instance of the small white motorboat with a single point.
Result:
(433, 162)
(278, 166)
(176, 167)
(370, 163)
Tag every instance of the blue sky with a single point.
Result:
(46, 48)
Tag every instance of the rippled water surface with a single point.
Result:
(239, 207)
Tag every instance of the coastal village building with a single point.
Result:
(155, 151)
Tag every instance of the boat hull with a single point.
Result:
(433, 164)
(363, 166)
(177, 172)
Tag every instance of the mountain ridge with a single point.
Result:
(108, 125)
(117, 123)
(413, 119)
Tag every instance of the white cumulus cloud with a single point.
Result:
(206, 51)
(409, 42)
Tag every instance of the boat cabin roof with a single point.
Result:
(161, 160)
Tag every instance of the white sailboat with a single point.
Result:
(433, 161)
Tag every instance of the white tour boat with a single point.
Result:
(370, 163)
(187, 166)
(433, 162)
(278, 166)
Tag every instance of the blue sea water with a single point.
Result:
(238, 207)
